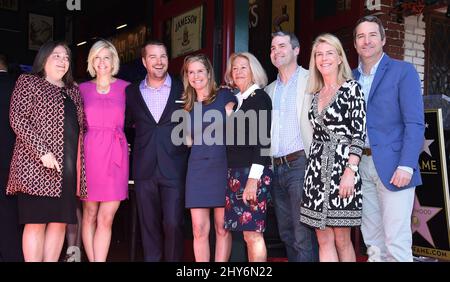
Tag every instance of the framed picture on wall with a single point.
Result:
(12, 5)
(283, 15)
(186, 32)
(40, 30)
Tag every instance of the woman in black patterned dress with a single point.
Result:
(47, 168)
(332, 199)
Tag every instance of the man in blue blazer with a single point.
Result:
(395, 135)
(159, 166)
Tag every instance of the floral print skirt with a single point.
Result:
(250, 216)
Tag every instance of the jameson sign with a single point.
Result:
(186, 32)
(430, 218)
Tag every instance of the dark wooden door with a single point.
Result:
(437, 68)
(332, 16)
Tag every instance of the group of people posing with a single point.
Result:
(331, 147)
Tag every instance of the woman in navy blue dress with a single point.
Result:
(206, 177)
(249, 174)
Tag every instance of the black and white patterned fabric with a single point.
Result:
(339, 130)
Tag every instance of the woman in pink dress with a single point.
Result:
(105, 147)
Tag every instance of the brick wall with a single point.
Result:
(404, 41)
(414, 43)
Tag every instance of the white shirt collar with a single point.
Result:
(373, 69)
(247, 92)
(242, 96)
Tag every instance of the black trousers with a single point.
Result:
(10, 230)
(160, 204)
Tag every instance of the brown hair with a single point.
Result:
(370, 19)
(293, 39)
(42, 56)
(189, 94)
(152, 42)
(3, 61)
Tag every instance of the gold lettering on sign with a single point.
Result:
(428, 165)
(128, 44)
(186, 33)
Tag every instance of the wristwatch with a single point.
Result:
(353, 167)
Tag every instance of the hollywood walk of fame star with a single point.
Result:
(421, 215)
(426, 146)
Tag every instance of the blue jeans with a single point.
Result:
(300, 240)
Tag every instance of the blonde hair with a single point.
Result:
(259, 76)
(95, 49)
(315, 82)
(189, 94)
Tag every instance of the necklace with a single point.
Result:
(103, 89)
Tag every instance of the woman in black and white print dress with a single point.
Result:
(332, 199)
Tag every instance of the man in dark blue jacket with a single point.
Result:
(159, 166)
